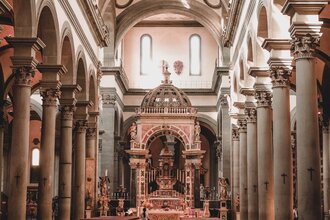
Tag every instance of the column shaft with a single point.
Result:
(80, 152)
(252, 164)
(326, 186)
(47, 154)
(65, 172)
(283, 180)
(265, 156)
(243, 169)
(19, 158)
(308, 150)
(236, 177)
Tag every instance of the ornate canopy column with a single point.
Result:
(265, 153)
(68, 106)
(50, 92)
(24, 65)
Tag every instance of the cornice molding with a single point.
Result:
(259, 71)
(236, 9)
(132, 108)
(303, 7)
(95, 22)
(276, 44)
(120, 77)
(80, 32)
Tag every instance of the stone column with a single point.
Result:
(107, 122)
(308, 150)
(265, 154)
(252, 163)
(236, 177)
(79, 183)
(23, 70)
(243, 168)
(283, 186)
(326, 185)
(225, 137)
(50, 92)
(68, 102)
(90, 163)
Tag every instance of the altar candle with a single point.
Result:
(106, 172)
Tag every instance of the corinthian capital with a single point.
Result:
(50, 96)
(67, 111)
(264, 98)
(235, 134)
(242, 124)
(251, 115)
(81, 125)
(303, 47)
(23, 75)
(280, 76)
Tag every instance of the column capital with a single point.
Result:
(82, 110)
(303, 47)
(23, 75)
(81, 125)
(91, 132)
(235, 134)
(50, 96)
(280, 76)
(242, 124)
(251, 114)
(68, 94)
(108, 97)
(264, 98)
(26, 44)
(67, 111)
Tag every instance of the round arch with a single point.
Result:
(93, 91)
(48, 32)
(161, 130)
(82, 75)
(208, 122)
(68, 55)
(191, 8)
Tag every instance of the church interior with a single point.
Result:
(164, 109)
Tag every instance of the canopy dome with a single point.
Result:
(166, 95)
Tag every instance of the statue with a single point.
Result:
(223, 188)
(132, 131)
(103, 200)
(197, 131)
(201, 192)
(120, 209)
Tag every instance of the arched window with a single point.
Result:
(195, 54)
(35, 157)
(145, 54)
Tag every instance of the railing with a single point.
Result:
(166, 110)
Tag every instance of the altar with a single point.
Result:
(160, 214)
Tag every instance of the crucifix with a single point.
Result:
(284, 176)
(17, 179)
(44, 180)
(63, 184)
(255, 188)
(266, 185)
(311, 170)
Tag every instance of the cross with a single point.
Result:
(266, 184)
(311, 170)
(255, 188)
(44, 179)
(63, 184)
(17, 178)
(284, 176)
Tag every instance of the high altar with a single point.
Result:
(165, 112)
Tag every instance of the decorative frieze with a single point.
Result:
(280, 76)
(50, 96)
(251, 115)
(264, 98)
(303, 47)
